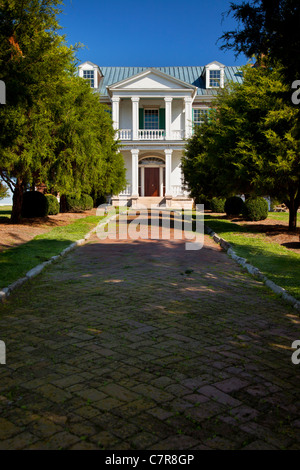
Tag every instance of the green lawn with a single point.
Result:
(5, 211)
(277, 262)
(15, 262)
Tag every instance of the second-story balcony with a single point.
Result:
(150, 134)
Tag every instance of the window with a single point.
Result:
(200, 116)
(151, 119)
(89, 75)
(214, 78)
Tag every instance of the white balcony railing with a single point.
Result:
(177, 135)
(126, 191)
(125, 134)
(151, 134)
(179, 190)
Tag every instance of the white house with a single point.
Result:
(154, 110)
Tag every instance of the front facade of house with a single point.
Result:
(154, 110)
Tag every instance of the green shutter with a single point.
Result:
(162, 118)
(141, 118)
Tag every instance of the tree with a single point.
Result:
(251, 144)
(267, 28)
(3, 191)
(53, 128)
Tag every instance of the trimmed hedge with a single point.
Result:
(234, 205)
(53, 204)
(76, 204)
(35, 204)
(218, 204)
(256, 208)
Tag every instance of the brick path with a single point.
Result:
(144, 345)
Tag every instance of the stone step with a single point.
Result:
(149, 201)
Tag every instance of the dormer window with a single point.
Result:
(215, 78)
(89, 75)
(213, 75)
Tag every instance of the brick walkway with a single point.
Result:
(144, 345)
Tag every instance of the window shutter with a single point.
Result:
(141, 118)
(162, 118)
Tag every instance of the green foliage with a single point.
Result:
(75, 203)
(87, 202)
(255, 208)
(54, 130)
(202, 199)
(251, 145)
(218, 204)
(267, 28)
(234, 205)
(3, 191)
(35, 204)
(53, 204)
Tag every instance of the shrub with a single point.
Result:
(217, 204)
(87, 202)
(70, 203)
(234, 205)
(202, 199)
(53, 204)
(256, 208)
(35, 204)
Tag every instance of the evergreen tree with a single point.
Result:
(251, 144)
(53, 128)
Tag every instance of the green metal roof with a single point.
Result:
(191, 75)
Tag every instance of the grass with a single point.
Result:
(283, 217)
(5, 211)
(278, 263)
(15, 262)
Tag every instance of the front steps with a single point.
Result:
(149, 202)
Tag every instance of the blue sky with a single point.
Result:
(143, 33)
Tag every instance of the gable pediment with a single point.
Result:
(151, 79)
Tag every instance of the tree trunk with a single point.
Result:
(293, 208)
(17, 202)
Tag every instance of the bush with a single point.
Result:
(71, 203)
(234, 205)
(202, 199)
(87, 202)
(256, 208)
(53, 204)
(35, 204)
(217, 204)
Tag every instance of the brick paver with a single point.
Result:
(144, 345)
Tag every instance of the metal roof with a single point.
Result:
(191, 75)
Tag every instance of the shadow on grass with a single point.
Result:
(221, 225)
(15, 262)
(281, 268)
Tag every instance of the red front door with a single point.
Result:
(152, 182)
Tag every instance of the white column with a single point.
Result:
(188, 116)
(135, 116)
(168, 153)
(115, 111)
(142, 181)
(135, 173)
(168, 104)
(161, 183)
